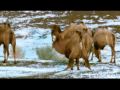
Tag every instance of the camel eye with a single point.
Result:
(54, 38)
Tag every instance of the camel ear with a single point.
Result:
(81, 22)
(93, 32)
(85, 29)
(55, 27)
(80, 33)
(51, 27)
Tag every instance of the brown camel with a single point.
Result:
(103, 37)
(87, 35)
(7, 37)
(70, 45)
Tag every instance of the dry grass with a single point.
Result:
(19, 52)
(47, 53)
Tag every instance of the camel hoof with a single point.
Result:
(67, 68)
(110, 61)
(89, 68)
(5, 61)
(15, 62)
(78, 69)
(71, 68)
(98, 61)
(114, 62)
(4, 64)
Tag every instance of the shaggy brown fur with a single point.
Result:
(7, 37)
(103, 37)
(87, 41)
(70, 45)
(74, 27)
(87, 35)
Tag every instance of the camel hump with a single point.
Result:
(5, 27)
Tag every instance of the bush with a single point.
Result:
(19, 52)
(48, 53)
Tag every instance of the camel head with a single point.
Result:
(55, 32)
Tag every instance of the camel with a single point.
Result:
(69, 43)
(103, 37)
(7, 37)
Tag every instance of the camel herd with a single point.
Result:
(77, 41)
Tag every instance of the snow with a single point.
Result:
(21, 71)
(108, 23)
(87, 21)
(95, 16)
(2, 19)
(33, 41)
(99, 71)
(85, 16)
(12, 72)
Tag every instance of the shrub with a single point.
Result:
(19, 52)
(48, 53)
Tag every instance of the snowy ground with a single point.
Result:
(34, 37)
(103, 70)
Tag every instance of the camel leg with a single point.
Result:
(5, 50)
(77, 63)
(85, 57)
(112, 45)
(86, 62)
(92, 52)
(113, 54)
(91, 56)
(70, 64)
(14, 52)
(98, 55)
